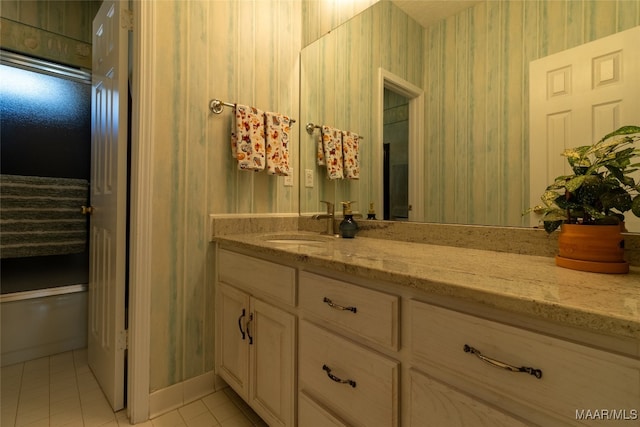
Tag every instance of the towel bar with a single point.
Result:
(216, 106)
(311, 127)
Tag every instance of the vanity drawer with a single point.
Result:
(435, 404)
(370, 314)
(311, 413)
(574, 377)
(370, 400)
(257, 276)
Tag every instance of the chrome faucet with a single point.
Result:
(329, 216)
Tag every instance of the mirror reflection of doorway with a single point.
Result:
(400, 124)
(396, 156)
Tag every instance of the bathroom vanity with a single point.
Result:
(318, 331)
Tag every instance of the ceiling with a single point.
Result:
(428, 12)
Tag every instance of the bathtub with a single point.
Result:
(43, 322)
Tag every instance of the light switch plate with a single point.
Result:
(288, 180)
(308, 178)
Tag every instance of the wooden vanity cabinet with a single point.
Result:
(255, 340)
(312, 350)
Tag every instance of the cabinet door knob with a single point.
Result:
(493, 362)
(325, 368)
(337, 306)
(87, 210)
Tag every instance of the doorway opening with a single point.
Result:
(396, 156)
(401, 118)
(44, 152)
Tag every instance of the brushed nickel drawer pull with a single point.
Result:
(337, 306)
(352, 383)
(532, 371)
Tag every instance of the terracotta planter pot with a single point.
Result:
(595, 248)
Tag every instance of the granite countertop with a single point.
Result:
(526, 284)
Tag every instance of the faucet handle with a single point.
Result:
(330, 208)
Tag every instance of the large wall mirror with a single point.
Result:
(464, 78)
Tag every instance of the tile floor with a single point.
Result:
(60, 390)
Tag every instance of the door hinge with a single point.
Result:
(126, 19)
(123, 339)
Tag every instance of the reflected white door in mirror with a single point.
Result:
(577, 96)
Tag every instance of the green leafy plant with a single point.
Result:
(601, 189)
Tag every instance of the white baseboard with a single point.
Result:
(177, 395)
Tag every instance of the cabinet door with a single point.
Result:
(433, 403)
(232, 349)
(272, 367)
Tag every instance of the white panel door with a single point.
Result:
(576, 97)
(107, 265)
(232, 340)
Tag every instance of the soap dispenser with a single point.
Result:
(348, 227)
(372, 213)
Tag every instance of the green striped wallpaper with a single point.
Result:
(55, 30)
(321, 16)
(237, 51)
(477, 107)
(240, 52)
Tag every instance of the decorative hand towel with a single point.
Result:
(350, 148)
(320, 151)
(278, 128)
(41, 216)
(332, 142)
(249, 138)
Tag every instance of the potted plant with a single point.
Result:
(589, 205)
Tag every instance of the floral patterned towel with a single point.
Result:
(278, 128)
(320, 151)
(332, 143)
(350, 150)
(248, 141)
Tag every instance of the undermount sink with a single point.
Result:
(297, 240)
